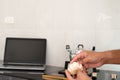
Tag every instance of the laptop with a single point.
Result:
(24, 54)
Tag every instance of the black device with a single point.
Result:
(65, 67)
(30, 52)
(95, 71)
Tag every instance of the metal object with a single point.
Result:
(73, 53)
(69, 50)
(108, 75)
(113, 76)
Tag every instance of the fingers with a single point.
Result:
(78, 57)
(69, 77)
(85, 61)
(82, 75)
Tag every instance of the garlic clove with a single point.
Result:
(73, 67)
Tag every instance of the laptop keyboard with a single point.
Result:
(40, 67)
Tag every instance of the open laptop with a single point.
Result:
(24, 54)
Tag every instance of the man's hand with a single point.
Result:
(89, 59)
(79, 76)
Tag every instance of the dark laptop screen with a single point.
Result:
(25, 51)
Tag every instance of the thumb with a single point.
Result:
(82, 75)
(85, 62)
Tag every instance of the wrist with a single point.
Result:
(107, 57)
(113, 57)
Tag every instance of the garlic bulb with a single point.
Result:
(73, 67)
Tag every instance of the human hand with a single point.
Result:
(79, 76)
(89, 59)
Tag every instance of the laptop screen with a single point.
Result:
(25, 51)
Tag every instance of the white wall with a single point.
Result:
(90, 22)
